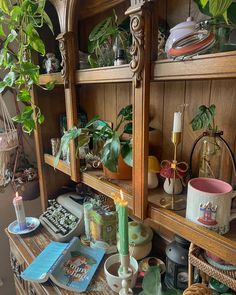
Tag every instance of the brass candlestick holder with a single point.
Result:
(176, 139)
(173, 171)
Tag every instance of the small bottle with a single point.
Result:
(120, 57)
(20, 212)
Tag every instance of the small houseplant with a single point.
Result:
(19, 21)
(222, 22)
(114, 145)
(104, 38)
(211, 146)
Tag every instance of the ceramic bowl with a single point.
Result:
(113, 280)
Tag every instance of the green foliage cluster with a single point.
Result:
(102, 38)
(221, 10)
(204, 118)
(113, 141)
(19, 21)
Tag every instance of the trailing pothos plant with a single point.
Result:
(113, 141)
(19, 21)
(204, 118)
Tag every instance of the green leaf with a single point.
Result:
(219, 7)
(128, 128)
(41, 118)
(24, 95)
(2, 86)
(100, 29)
(126, 111)
(50, 85)
(204, 2)
(16, 13)
(31, 70)
(2, 33)
(126, 152)
(4, 6)
(47, 20)
(110, 153)
(204, 118)
(72, 133)
(9, 79)
(93, 63)
(34, 40)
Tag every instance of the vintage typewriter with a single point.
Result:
(64, 217)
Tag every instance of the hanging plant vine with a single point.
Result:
(19, 21)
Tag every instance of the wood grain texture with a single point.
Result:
(197, 94)
(30, 246)
(173, 100)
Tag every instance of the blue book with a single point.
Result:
(69, 265)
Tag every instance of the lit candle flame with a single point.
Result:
(121, 195)
(17, 195)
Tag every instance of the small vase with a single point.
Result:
(51, 63)
(169, 185)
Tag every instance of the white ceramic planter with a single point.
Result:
(169, 185)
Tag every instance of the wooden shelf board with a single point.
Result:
(45, 78)
(104, 75)
(62, 166)
(96, 180)
(217, 65)
(175, 221)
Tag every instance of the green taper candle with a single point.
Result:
(122, 209)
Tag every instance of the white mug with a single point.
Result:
(209, 203)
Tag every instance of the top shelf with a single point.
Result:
(208, 66)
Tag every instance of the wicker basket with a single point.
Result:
(196, 258)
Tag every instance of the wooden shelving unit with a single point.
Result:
(218, 65)
(96, 180)
(104, 75)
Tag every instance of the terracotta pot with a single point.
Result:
(123, 172)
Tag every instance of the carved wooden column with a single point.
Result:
(67, 49)
(140, 25)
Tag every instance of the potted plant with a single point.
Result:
(116, 150)
(222, 22)
(106, 40)
(19, 21)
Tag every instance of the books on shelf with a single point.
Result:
(69, 265)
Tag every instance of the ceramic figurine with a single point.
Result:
(51, 63)
(153, 169)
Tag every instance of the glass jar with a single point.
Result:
(224, 35)
(210, 156)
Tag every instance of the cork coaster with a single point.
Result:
(197, 289)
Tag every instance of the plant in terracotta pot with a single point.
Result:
(116, 149)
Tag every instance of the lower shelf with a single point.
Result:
(223, 246)
(96, 180)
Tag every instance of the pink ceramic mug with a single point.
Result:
(209, 203)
